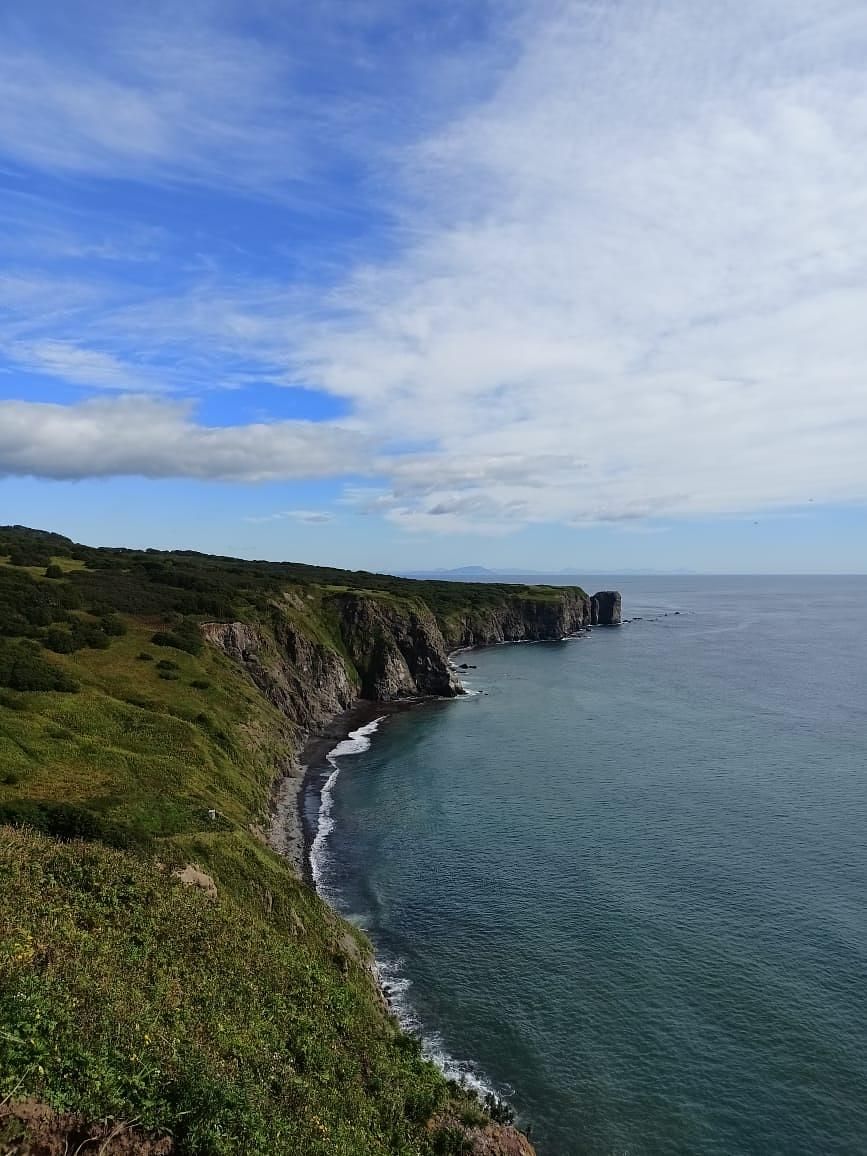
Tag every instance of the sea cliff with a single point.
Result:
(316, 653)
(159, 963)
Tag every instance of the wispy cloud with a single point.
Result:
(145, 98)
(88, 367)
(309, 517)
(643, 262)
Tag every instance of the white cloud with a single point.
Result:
(181, 99)
(629, 283)
(89, 367)
(309, 517)
(156, 439)
(641, 279)
(264, 102)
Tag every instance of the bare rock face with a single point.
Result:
(306, 680)
(488, 1139)
(501, 1140)
(522, 620)
(605, 608)
(398, 651)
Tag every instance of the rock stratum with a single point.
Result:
(168, 982)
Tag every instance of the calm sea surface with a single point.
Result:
(626, 884)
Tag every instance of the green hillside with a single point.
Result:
(233, 1014)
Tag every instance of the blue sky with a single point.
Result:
(400, 284)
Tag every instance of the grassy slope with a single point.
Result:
(246, 1023)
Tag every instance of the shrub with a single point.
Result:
(113, 625)
(25, 557)
(191, 643)
(200, 684)
(169, 675)
(167, 664)
(53, 571)
(141, 703)
(451, 1140)
(67, 821)
(499, 1111)
(144, 657)
(61, 641)
(23, 668)
(94, 637)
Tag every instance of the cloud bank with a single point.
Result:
(136, 436)
(642, 284)
(626, 279)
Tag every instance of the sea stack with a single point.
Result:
(605, 608)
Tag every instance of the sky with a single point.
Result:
(409, 284)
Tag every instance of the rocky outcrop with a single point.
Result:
(305, 679)
(396, 648)
(605, 608)
(549, 617)
(313, 662)
(489, 1139)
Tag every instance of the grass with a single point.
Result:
(246, 1023)
(126, 995)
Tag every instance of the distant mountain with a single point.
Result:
(484, 573)
(470, 571)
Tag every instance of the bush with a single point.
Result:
(499, 1111)
(191, 643)
(24, 557)
(113, 625)
(23, 668)
(169, 675)
(200, 684)
(67, 821)
(451, 1140)
(61, 641)
(144, 657)
(177, 642)
(167, 664)
(53, 571)
(94, 637)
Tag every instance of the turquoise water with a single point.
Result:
(626, 885)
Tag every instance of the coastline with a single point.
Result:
(314, 757)
(390, 983)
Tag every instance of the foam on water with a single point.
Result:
(393, 983)
(395, 987)
(355, 743)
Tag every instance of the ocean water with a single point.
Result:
(625, 883)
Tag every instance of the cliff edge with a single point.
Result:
(160, 964)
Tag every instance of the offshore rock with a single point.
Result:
(605, 608)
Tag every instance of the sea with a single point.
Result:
(623, 882)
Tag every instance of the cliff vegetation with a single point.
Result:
(168, 983)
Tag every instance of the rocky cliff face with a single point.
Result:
(397, 649)
(386, 649)
(605, 608)
(306, 680)
(313, 660)
(522, 619)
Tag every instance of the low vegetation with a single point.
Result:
(235, 1014)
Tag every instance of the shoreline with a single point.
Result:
(313, 762)
(314, 757)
